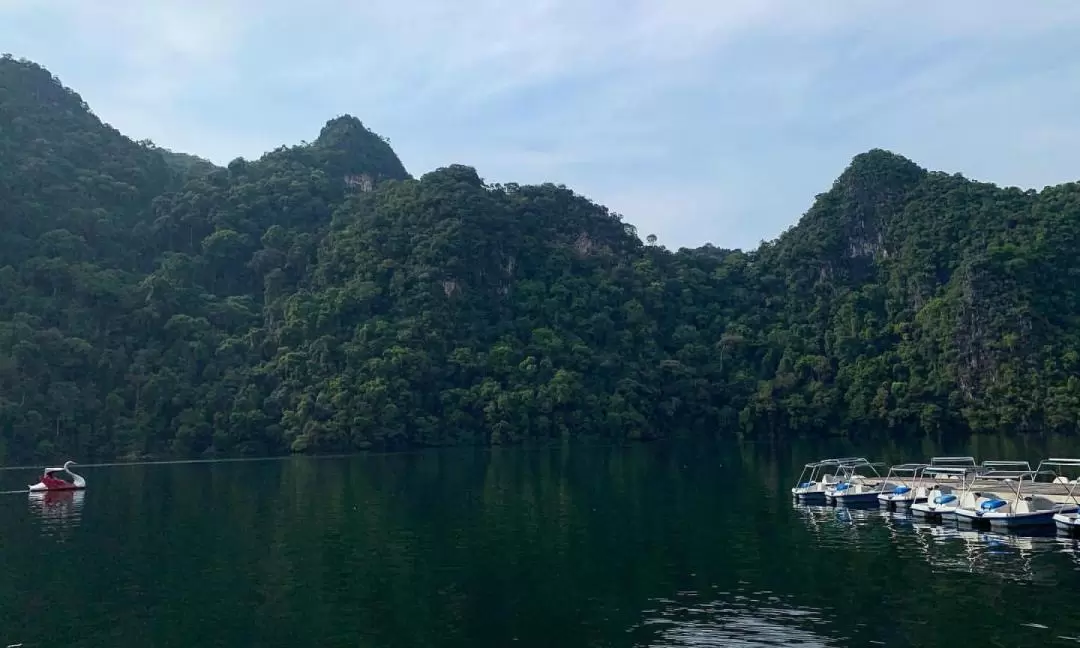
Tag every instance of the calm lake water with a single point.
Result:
(648, 545)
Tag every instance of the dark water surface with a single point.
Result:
(647, 545)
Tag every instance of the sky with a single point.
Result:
(697, 120)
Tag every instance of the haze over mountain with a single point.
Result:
(320, 298)
(700, 121)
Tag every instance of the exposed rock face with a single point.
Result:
(583, 245)
(361, 182)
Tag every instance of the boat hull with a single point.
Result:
(41, 488)
(1069, 522)
(854, 499)
(898, 501)
(811, 497)
(1012, 520)
(925, 509)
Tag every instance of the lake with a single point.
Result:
(663, 544)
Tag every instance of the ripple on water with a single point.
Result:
(735, 620)
(846, 528)
(58, 512)
(1032, 557)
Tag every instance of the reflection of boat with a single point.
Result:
(816, 477)
(59, 511)
(1005, 555)
(50, 482)
(1030, 504)
(1069, 546)
(61, 501)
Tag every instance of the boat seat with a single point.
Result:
(1039, 503)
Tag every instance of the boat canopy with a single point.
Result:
(908, 467)
(947, 470)
(993, 465)
(1058, 462)
(956, 461)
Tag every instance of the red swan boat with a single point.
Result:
(50, 482)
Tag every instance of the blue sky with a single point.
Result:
(700, 121)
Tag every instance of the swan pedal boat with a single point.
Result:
(49, 482)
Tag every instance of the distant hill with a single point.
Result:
(322, 299)
(186, 165)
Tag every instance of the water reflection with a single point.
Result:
(1003, 556)
(725, 619)
(1029, 556)
(642, 546)
(844, 527)
(58, 511)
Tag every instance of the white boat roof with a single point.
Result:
(1009, 473)
(909, 466)
(839, 461)
(948, 470)
(1059, 461)
(967, 461)
(863, 462)
(1007, 462)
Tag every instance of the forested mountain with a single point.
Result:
(321, 299)
(184, 164)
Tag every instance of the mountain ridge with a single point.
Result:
(321, 298)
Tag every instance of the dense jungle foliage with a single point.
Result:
(321, 299)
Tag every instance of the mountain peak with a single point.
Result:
(31, 97)
(33, 79)
(353, 150)
(879, 166)
(846, 230)
(343, 130)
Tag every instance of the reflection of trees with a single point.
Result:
(529, 547)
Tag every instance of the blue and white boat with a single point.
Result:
(944, 495)
(817, 476)
(909, 486)
(860, 483)
(952, 483)
(1069, 521)
(1032, 500)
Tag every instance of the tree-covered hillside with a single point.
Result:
(321, 299)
